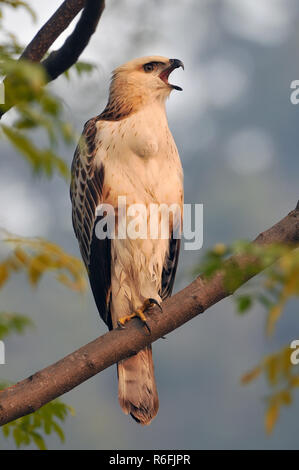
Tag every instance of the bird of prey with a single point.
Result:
(128, 150)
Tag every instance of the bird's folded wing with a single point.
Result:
(170, 267)
(86, 194)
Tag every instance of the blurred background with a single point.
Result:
(237, 134)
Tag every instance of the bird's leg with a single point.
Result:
(139, 313)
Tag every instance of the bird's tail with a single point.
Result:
(137, 392)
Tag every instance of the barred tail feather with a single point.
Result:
(137, 392)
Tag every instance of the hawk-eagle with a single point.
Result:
(128, 150)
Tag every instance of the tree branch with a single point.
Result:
(30, 394)
(52, 29)
(61, 60)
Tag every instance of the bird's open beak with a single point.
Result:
(174, 64)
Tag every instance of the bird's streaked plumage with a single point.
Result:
(128, 150)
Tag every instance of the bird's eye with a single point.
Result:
(149, 67)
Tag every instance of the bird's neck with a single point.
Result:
(126, 99)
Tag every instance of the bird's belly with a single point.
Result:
(139, 257)
(136, 273)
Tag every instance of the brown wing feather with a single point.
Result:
(170, 267)
(86, 194)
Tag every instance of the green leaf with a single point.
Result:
(58, 431)
(6, 430)
(84, 67)
(29, 429)
(265, 301)
(37, 256)
(38, 440)
(13, 323)
(36, 109)
(41, 160)
(17, 435)
(244, 303)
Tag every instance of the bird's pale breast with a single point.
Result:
(141, 162)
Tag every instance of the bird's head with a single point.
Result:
(145, 78)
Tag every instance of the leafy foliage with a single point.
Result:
(33, 428)
(275, 286)
(282, 377)
(41, 160)
(13, 323)
(37, 256)
(81, 67)
(36, 110)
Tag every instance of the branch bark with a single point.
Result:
(61, 60)
(52, 29)
(30, 394)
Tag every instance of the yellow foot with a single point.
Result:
(139, 313)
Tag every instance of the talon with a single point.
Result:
(140, 314)
(121, 321)
(155, 302)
